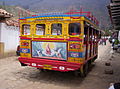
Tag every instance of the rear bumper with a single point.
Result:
(55, 65)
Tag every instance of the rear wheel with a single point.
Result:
(84, 70)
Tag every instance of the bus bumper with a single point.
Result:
(50, 64)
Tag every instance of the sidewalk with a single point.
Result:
(97, 77)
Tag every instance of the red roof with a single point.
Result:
(12, 22)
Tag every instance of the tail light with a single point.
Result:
(74, 46)
(24, 43)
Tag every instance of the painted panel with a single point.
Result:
(49, 50)
(76, 54)
(24, 50)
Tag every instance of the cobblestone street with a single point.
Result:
(13, 76)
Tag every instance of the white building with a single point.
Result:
(9, 35)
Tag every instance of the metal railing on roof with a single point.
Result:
(71, 13)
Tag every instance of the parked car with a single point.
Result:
(18, 50)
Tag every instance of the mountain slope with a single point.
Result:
(98, 7)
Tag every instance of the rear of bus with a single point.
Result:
(51, 44)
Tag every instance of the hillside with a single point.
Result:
(17, 11)
(98, 7)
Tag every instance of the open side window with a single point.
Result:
(56, 29)
(40, 29)
(74, 29)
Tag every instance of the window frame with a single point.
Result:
(79, 28)
(59, 30)
(36, 29)
(23, 30)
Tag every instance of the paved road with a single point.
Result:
(13, 76)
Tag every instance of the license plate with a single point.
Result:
(49, 67)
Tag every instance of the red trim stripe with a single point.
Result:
(71, 39)
(26, 38)
(48, 39)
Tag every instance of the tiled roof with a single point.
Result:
(9, 22)
(12, 22)
(114, 11)
(4, 13)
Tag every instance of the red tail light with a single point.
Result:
(75, 46)
(25, 44)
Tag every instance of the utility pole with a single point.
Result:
(4, 7)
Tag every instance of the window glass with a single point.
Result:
(74, 29)
(26, 29)
(40, 29)
(56, 29)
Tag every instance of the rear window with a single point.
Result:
(74, 29)
(40, 29)
(56, 29)
(26, 29)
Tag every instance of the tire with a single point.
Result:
(84, 70)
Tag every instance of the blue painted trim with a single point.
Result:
(75, 15)
(53, 16)
(79, 54)
(24, 50)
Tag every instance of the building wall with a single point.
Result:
(119, 36)
(1, 44)
(9, 37)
